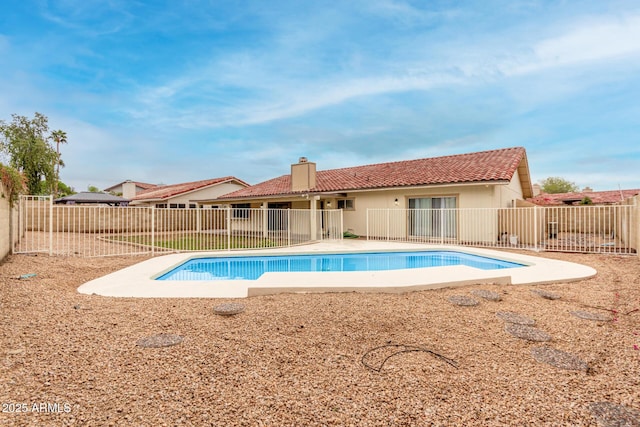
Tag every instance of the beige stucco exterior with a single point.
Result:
(468, 196)
(358, 205)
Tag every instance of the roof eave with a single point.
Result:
(338, 192)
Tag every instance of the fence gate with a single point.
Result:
(31, 231)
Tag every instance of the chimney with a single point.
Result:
(303, 175)
(128, 189)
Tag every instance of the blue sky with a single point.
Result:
(174, 91)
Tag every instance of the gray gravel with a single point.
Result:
(297, 359)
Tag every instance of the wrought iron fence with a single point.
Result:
(95, 231)
(588, 229)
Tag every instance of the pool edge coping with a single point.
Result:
(137, 280)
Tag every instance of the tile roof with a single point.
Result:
(91, 197)
(485, 166)
(163, 192)
(597, 197)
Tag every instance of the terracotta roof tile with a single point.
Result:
(485, 166)
(162, 192)
(597, 197)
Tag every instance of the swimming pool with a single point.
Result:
(139, 280)
(253, 267)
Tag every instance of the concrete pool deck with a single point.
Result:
(138, 280)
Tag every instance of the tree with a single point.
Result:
(64, 189)
(26, 141)
(12, 183)
(93, 189)
(60, 137)
(555, 185)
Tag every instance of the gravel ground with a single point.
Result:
(316, 359)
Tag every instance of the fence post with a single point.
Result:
(152, 209)
(368, 211)
(441, 227)
(388, 224)
(228, 228)
(535, 228)
(51, 225)
(265, 220)
(288, 227)
(636, 214)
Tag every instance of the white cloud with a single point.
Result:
(591, 41)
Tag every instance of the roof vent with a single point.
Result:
(303, 160)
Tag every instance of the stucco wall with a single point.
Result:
(5, 230)
(472, 196)
(505, 194)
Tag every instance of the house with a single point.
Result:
(131, 188)
(187, 194)
(610, 197)
(487, 179)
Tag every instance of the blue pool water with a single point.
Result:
(252, 267)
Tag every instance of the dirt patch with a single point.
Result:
(296, 359)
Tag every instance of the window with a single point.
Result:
(240, 210)
(433, 217)
(161, 206)
(346, 204)
(192, 206)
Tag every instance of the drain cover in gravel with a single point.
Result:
(609, 415)
(228, 309)
(519, 319)
(462, 300)
(545, 294)
(591, 316)
(559, 359)
(527, 332)
(488, 295)
(160, 340)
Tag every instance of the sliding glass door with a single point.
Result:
(432, 217)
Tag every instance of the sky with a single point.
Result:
(184, 90)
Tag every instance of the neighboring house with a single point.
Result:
(488, 179)
(583, 197)
(128, 189)
(187, 194)
(92, 198)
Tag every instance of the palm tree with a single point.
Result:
(60, 137)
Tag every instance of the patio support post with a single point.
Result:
(265, 220)
(198, 218)
(288, 227)
(313, 218)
